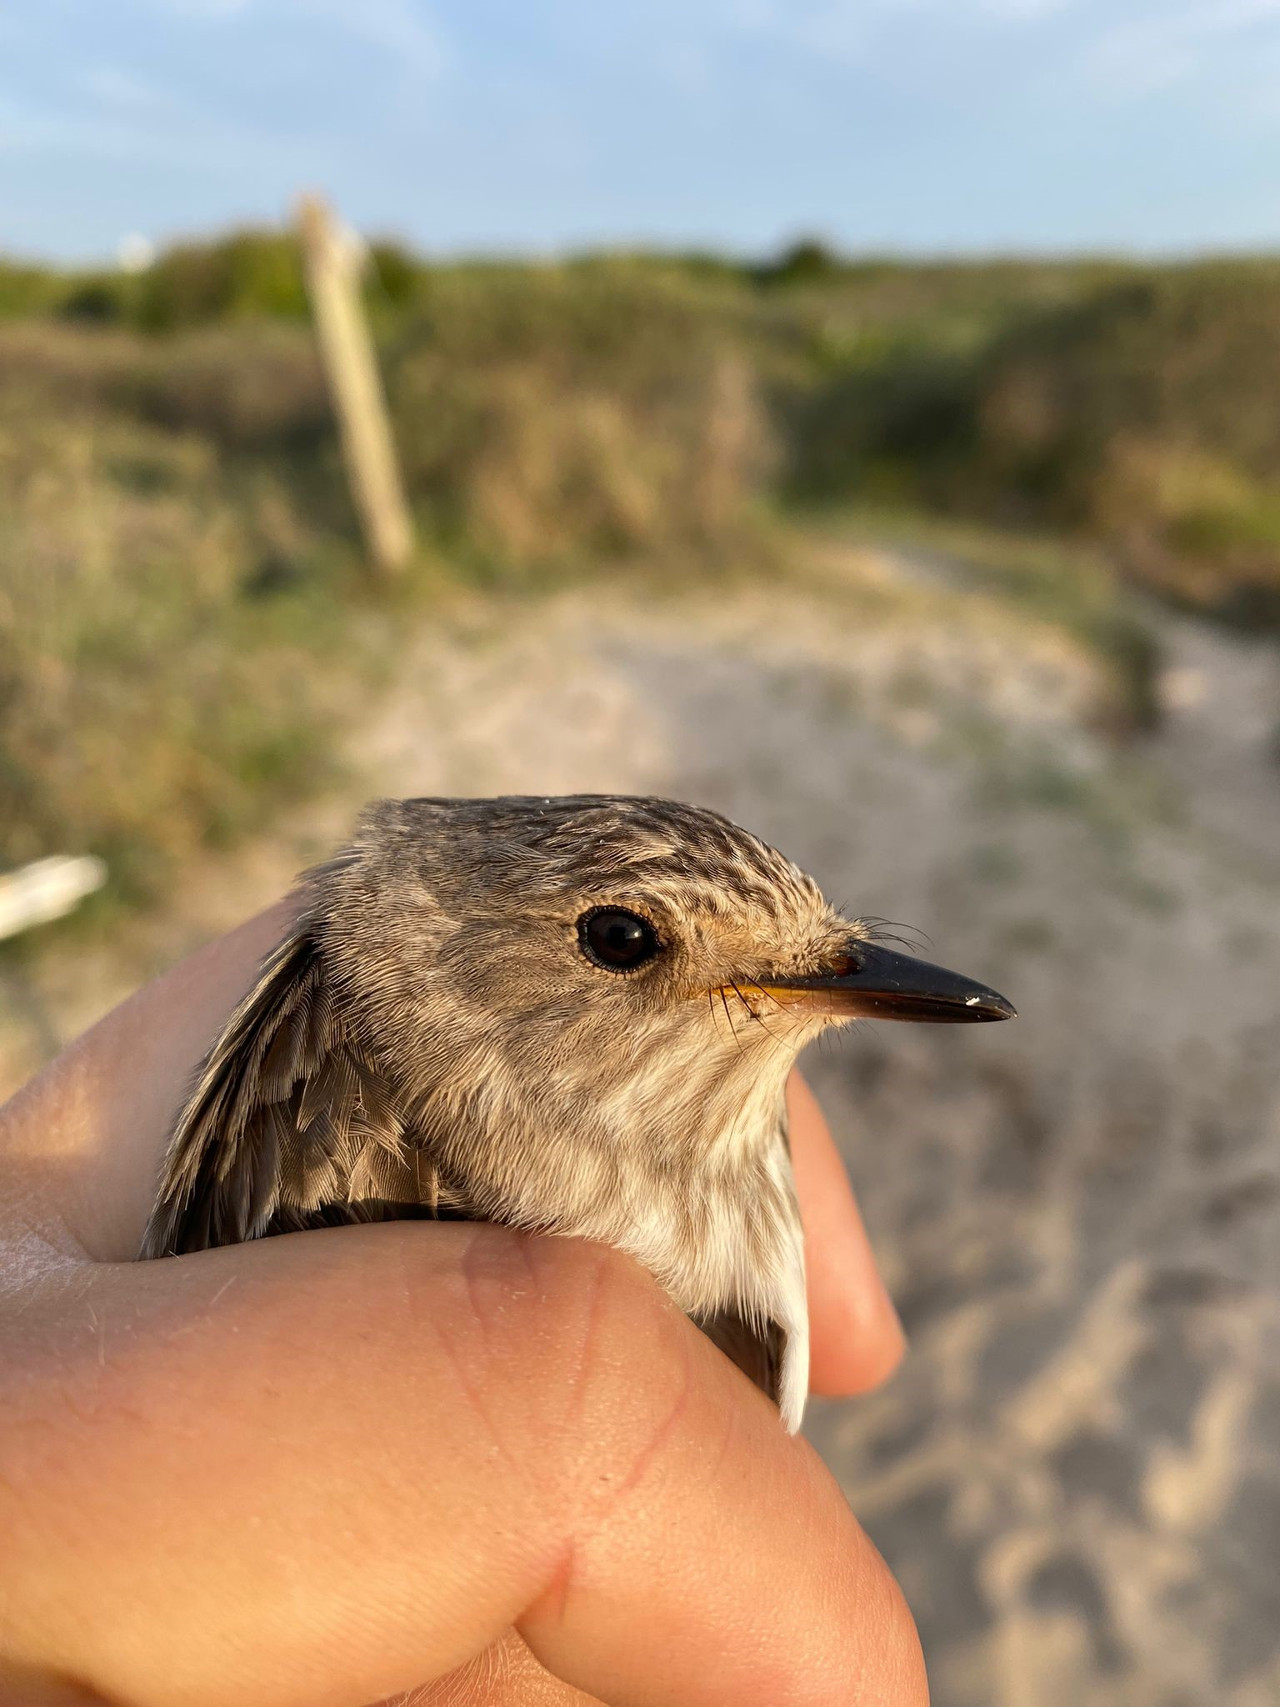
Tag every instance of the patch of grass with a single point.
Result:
(155, 697)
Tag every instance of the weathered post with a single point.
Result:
(333, 262)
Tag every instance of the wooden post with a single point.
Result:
(333, 262)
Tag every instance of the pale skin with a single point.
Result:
(324, 1469)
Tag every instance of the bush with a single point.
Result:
(1147, 418)
(561, 413)
(251, 273)
(1136, 409)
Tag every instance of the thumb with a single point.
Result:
(322, 1469)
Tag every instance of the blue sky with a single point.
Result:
(539, 125)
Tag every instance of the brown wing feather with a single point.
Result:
(757, 1350)
(290, 1124)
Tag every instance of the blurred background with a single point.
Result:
(862, 416)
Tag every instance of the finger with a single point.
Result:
(856, 1337)
(313, 1471)
(83, 1141)
(505, 1675)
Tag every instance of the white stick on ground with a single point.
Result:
(47, 889)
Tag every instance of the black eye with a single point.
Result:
(616, 939)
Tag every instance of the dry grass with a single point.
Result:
(598, 414)
(159, 618)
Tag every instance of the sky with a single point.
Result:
(917, 126)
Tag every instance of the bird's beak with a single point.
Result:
(874, 983)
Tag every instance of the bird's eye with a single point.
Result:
(617, 940)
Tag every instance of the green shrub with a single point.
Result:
(1147, 418)
(251, 273)
(564, 413)
(1136, 408)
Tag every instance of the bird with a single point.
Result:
(572, 1015)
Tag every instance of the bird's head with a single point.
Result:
(615, 968)
(567, 1007)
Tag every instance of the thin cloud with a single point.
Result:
(851, 29)
(116, 87)
(1165, 48)
(819, 17)
(1023, 11)
(214, 10)
(400, 28)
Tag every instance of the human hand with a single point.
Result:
(325, 1468)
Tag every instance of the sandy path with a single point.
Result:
(1075, 1475)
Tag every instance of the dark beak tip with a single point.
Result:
(984, 1009)
(975, 1004)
